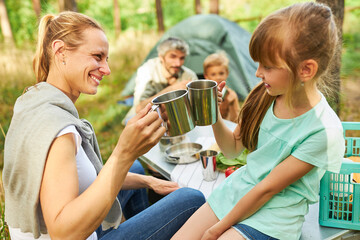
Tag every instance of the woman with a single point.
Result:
(55, 184)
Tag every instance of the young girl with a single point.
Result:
(216, 67)
(291, 131)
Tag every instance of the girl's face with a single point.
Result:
(86, 66)
(216, 73)
(276, 80)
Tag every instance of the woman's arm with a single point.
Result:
(135, 181)
(71, 216)
(286, 173)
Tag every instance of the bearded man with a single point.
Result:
(164, 73)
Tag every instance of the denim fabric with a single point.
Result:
(134, 201)
(159, 221)
(251, 233)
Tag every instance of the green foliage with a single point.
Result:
(49, 6)
(141, 14)
(101, 12)
(22, 19)
(138, 15)
(176, 11)
(232, 10)
(351, 55)
(4, 230)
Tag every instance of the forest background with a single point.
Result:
(132, 34)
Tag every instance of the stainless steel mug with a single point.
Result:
(203, 101)
(208, 160)
(174, 109)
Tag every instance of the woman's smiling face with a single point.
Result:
(86, 66)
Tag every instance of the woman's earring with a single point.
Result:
(63, 61)
(302, 84)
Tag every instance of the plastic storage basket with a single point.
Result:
(339, 193)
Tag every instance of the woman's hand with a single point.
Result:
(220, 88)
(136, 181)
(141, 133)
(162, 187)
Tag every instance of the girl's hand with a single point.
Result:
(211, 234)
(220, 88)
(141, 133)
(232, 96)
(162, 187)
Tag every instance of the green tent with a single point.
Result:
(205, 35)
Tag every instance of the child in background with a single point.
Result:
(292, 133)
(216, 67)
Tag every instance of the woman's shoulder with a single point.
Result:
(72, 129)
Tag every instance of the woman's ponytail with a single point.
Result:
(41, 59)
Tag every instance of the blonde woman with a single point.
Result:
(55, 184)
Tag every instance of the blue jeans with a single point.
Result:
(134, 201)
(251, 233)
(159, 221)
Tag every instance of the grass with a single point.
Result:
(102, 110)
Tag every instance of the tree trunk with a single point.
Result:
(67, 5)
(5, 24)
(117, 20)
(198, 9)
(337, 7)
(37, 8)
(214, 6)
(160, 19)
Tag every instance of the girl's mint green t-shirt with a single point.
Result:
(315, 137)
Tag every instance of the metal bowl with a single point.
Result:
(183, 153)
(167, 141)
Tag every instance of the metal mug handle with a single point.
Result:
(154, 108)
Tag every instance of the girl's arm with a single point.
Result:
(286, 173)
(71, 216)
(234, 107)
(228, 141)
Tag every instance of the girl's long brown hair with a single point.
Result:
(284, 39)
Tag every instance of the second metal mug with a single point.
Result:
(203, 101)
